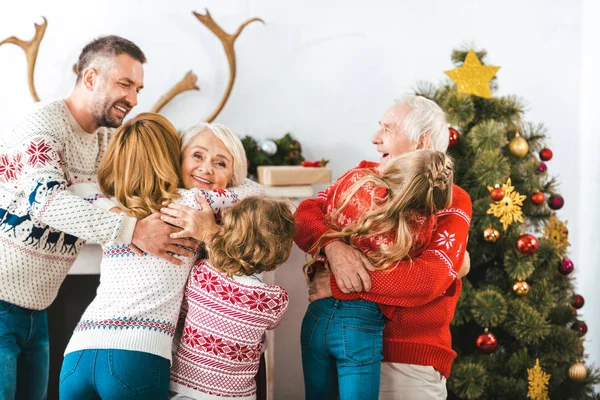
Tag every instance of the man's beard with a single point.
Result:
(103, 114)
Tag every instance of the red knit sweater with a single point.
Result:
(425, 287)
(366, 198)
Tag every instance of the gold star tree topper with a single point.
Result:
(473, 77)
(509, 208)
(538, 382)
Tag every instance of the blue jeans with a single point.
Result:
(114, 374)
(342, 349)
(24, 353)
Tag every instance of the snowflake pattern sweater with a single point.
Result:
(425, 287)
(366, 198)
(219, 353)
(137, 303)
(42, 224)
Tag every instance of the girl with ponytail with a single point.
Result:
(388, 217)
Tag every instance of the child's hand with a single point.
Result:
(465, 267)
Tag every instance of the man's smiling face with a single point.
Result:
(390, 139)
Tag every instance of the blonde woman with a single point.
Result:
(121, 347)
(389, 216)
(229, 307)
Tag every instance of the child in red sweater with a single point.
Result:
(389, 217)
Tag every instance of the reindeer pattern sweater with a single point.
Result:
(42, 224)
(424, 288)
(138, 301)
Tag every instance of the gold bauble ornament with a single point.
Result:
(521, 288)
(577, 372)
(518, 146)
(491, 235)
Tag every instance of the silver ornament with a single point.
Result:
(269, 147)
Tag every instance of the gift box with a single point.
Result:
(293, 175)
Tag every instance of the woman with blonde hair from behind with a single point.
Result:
(121, 347)
(229, 307)
(388, 216)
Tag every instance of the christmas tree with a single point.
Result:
(516, 329)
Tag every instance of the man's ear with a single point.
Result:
(89, 78)
(424, 142)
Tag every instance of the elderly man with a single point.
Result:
(43, 225)
(417, 346)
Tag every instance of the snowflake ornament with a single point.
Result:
(556, 232)
(538, 382)
(509, 208)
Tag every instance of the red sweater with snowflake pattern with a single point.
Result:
(340, 214)
(425, 287)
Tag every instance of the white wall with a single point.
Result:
(326, 71)
(587, 253)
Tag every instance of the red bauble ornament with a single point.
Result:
(566, 266)
(581, 327)
(486, 342)
(556, 202)
(578, 301)
(497, 193)
(454, 137)
(546, 154)
(527, 244)
(542, 168)
(538, 198)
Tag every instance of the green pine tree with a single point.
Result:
(542, 323)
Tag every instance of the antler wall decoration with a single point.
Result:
(31, 52)
(228, 41)
(188, 82)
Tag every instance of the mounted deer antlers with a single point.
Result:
(31, 51)
(187, 83)
(228, 41)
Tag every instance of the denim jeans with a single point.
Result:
(342, 349)
(24, 353)
(114, 374)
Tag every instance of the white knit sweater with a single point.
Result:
(42, 224)
(137, 303)
(219, 353)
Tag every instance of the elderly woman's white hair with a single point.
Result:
(425, 117)
(230, 140)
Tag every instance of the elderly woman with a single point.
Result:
(212, 158)
(121, 348)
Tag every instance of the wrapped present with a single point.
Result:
(293, 175)
(291, 192)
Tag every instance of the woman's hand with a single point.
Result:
(197, 224)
